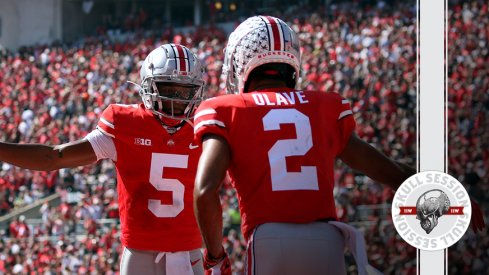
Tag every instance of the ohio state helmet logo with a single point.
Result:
(421, 202)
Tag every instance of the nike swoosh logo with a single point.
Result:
(191, 146)
(196, 261)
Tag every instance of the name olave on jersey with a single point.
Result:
(281, 98)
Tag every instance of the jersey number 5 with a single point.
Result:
(282, 180)
(158, 163)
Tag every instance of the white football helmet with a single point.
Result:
(173, 65)
(259, 40)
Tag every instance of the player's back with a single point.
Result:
(283, 147)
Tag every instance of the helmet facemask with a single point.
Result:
(172, 100)
(172, 85)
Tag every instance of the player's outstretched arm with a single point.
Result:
(361, 156)
(213, 164)
(46, 157)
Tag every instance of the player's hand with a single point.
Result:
(219, 266)
(477, 219)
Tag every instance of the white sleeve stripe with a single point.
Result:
(104, 121)
(105, 132)
(345, 101)
(204, 112)
(102, 145)
(345, 113)
(209, 122)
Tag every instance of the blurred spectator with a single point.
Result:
(18, 228)
(468, 122)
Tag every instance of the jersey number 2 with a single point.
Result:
(282, 180)
(158, 163)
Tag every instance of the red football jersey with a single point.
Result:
(155, 180)
(283, 148)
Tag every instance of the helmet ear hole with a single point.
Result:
(233, 73)
(290, 77)
(147, 101)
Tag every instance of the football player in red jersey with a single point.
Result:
(151, 146)
(279, 146)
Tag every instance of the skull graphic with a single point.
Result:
(430, 206)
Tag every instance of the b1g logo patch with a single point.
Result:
(431, 210)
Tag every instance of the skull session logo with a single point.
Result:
(428, 210)
(431, 210)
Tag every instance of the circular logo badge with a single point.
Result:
(431, 210)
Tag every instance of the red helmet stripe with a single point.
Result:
(187, 59)
(277, 36)
(181, 58)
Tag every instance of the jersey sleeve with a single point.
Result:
(210, 119)
(102, 145)
(345, 124)
(106, 123)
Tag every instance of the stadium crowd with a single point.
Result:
(468, 122)
(55, 94)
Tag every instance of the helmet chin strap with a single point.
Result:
(189, 122)
(170, 125)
